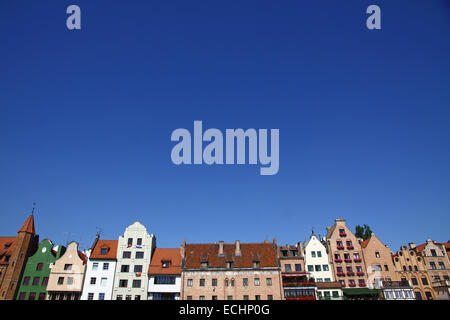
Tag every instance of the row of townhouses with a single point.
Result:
(338, 266)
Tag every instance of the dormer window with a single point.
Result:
(256, 264)
(103, 251)
(284, 253)
(204, 265)
(229, 264)
(294, 253)
(165, 264)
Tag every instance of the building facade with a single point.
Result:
(248, 271)
(410, 267)
(100, 270)
(67, 275)
(435, 256)
(134, 251)
(345, 256)
(14, 252)
(33, 285)
(164, 275)
(317, 261)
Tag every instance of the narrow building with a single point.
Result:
(100, 270)
(67, 275)
(219, 271)
(164, 275)
(35, 277)
(14, 252)
(134, 251)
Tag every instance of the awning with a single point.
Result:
(361, 292)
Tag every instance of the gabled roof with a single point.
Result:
(420, 247)
(263, 252)
(28, 226)
(111, 250)
(172, 256)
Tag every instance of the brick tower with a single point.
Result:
(24, 245)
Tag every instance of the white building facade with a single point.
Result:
(316, 260)
(134, 252)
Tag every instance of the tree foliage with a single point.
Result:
(363, 232)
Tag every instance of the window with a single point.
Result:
(103, 282)
(130, 242)
(319, 254)
(424, 281)
(226, 282)
(319, 280)
(313, 254)
(22, 296)
(414, 281)
(138, 268)
(214, 297)
(204, 265)
(165, 264)
(310, 268)
(39, 266)
(202, 298)
(119, 297)
(441, 265)
(230, 298)
(126, 255)
(189, 282)
(106, 266)
(60, 280)
(137, 297)
(335, 294)
(245, 297)
(103, 251)
(90, 296)
(356, 255)
(386, 268)
(125, 268)
(139, 254)
(214, 282)
(298, 267)
(128, 297)
(410, 268)
(123, 283)
(377, 254)
(101, 296)
(67, 267)
(189, 298)
(418, 295)
(404, 268)
(202, 282)
(139, 242)
(318, 267)
(256, 264)
(269, 297)
(41, 296)
(337, 256)
(26, 281)
(361, 282)
(257, 297)
(287, 267)
(427, 293)
(327, 279)
(95, 266)
(415, 268)
(93, 280)
(32, 296)
(166, 280)
(294, 253)
(245, 282)
(232, 282)
(433, 265)
(433, 253)
(359, 268)
(45, 281)
(136, 283)
(269, 281)
(256, 281)
(325, 267)
(70, 281)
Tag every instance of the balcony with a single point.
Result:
(340, 274)
(340, 247)
(299, 284)
(338, 260)
(357, 259)
(352, 285)
(360, 273)
(350, 273)
(348, 260)
(350, 248)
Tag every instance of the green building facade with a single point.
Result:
(33, 284)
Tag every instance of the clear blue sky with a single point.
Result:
(364, 118)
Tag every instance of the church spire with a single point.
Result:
(28, 226)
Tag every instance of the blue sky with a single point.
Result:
(364, 118)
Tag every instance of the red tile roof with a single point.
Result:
(173, 256)
(263, 252)
(111, 250)
(420, 247)
(82, 256)
(6, 246)
(28, 226)
(365, 242)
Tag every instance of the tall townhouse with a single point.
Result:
(67, 275)
(318, 265)
(297, 284)
(14, 252)
(134, 252)
(100, 270)
(410, 266)
(219, 271)
(35, 277)
(435, 256)
(164, 274)
(381, 270)
(345, 256)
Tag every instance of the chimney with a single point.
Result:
(221, 248)
(238, 252)
(266, 241)
(183, 248)
(274, 240)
